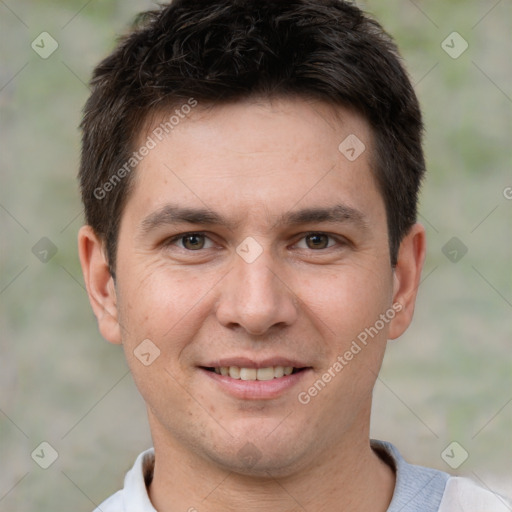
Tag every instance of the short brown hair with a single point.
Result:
(229, 50)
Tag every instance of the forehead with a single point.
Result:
(258, 155)
(300, 115)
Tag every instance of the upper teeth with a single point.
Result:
(269, 373)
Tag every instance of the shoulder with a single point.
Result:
(422, 489)
(464, 495)
(134, 495)
(112, 504)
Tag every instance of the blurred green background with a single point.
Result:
(449, 378)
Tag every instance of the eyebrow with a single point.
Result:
(335, 214)
(172, 214)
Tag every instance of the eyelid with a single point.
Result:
(338, 238)
(175, 238)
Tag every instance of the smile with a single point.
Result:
(242, 373)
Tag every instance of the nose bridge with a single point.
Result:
(256, 298)
(255, 279)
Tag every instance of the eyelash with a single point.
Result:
(340, 240)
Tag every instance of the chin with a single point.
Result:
(261, 457)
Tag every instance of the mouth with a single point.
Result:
(245, 378)
(252, 374)
(256, 381)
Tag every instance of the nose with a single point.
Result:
(256, 296)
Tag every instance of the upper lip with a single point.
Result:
(245, 362)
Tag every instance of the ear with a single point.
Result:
(99, 283)
(406, 277)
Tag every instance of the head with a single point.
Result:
(275, 119)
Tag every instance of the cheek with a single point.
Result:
(159, 314)
(348, 300)
(157, 299)
(164, 310)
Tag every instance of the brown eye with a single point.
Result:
(193, 242)
(317, 241)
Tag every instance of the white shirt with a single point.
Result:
(417, 489)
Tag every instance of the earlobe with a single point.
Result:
(99, 283)
(406, 278)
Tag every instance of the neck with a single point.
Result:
(349, 477)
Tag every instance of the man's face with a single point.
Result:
(278, 285)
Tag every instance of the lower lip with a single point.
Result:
(256, 389)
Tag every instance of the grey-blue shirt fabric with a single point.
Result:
(417, 489)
